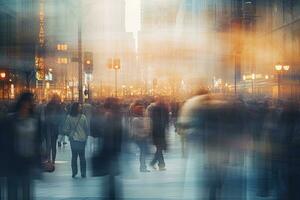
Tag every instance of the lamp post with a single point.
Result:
(252, 85)
(115, 64)
(116, 67)
(3, 76)
(279, 68)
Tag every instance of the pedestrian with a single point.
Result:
(53, 118)
(21, 149)
(106, 161)
(76, 127)
(140, 132)
(61, 135)
(214, 127)
(159, 116)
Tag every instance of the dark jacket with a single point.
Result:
(54, 116)
(16, 162)
(159, 115)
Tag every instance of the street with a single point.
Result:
(177, 182)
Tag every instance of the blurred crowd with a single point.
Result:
(234, 142)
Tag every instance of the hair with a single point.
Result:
(23, 98)
(111, 103)
(74, 111)
(138, 110)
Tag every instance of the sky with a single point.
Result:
(133, 17)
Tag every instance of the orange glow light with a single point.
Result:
(278, 67)
(286, 67)
(2, 74)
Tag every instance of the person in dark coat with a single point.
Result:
(53, 119)
(287, 160)
(22, 150)
(106, 161)
(214, 129)
(159, 115)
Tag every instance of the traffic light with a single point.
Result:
(117, 63)
(88, 62)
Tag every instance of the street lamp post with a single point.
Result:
(252, 85)
(80, 95)
(279, 68)
(116, 79)
(3, 76)
(115, 64)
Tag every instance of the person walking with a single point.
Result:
(21, 137)
(61, 136)
(140, 132)
(159, 116)
(76, 127)
(106, 159)
(53, 119)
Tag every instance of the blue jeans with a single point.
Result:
(78, 149)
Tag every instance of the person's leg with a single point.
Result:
(155, 158)
(64, 140)
(160, 158)
(12, 188)
(142, 155)
(26, 188)
(59, 140)
(82, 161)
(53, 146)
(112, 187)
(74, 159)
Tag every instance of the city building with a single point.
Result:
(18, 40)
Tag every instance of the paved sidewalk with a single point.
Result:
(176, 183)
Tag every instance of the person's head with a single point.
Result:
(25, 104)
(138, 110)
(75, 109)
(111, 104)
(55, 98)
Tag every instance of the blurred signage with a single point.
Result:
(40, 68)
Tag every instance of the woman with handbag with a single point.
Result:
(140, 132)
(76, 127)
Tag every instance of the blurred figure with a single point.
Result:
(21, 148)
(159, 115)
(140, 132)
(106, 161)
(214, 127)
(261, 120)
(53, 118)
(76, 127)
(61, 135)
(288, 151)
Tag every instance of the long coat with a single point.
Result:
(15, 163)
(159, 115)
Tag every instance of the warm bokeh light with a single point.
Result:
(286, 67)
(2, 75)
(278, 67)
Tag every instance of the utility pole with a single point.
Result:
(116, 83)
(80, 88)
